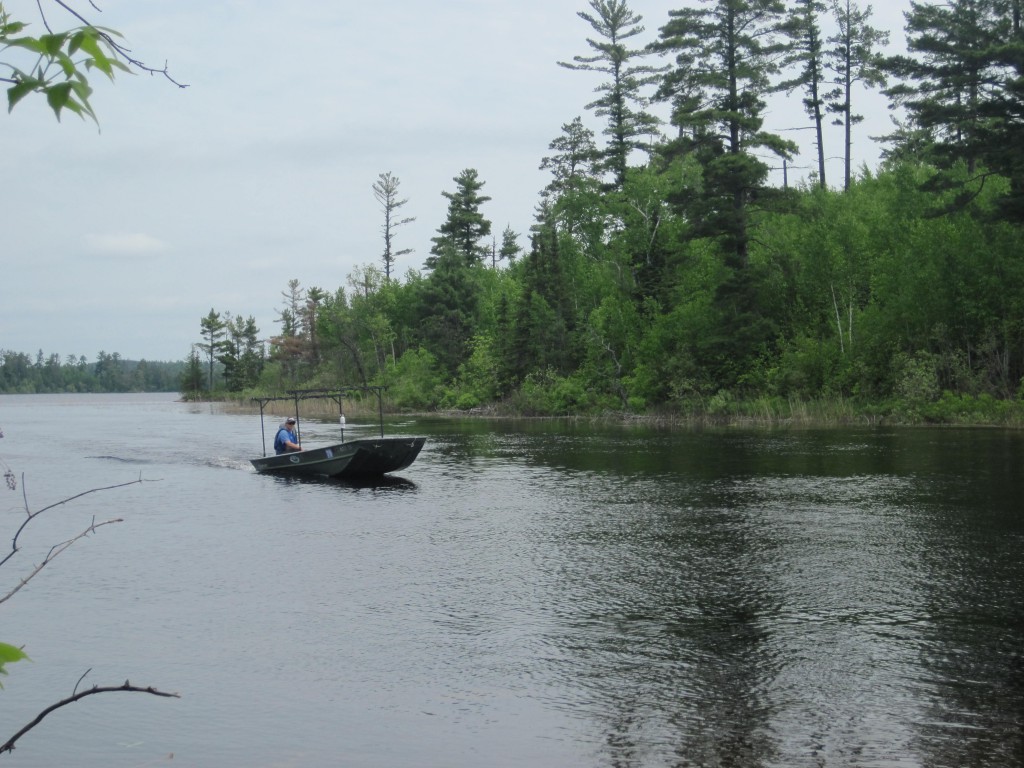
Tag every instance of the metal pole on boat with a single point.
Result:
(340, 400)
(380, 408)
(263, 432)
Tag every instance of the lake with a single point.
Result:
(528, 593)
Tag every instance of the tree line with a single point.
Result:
(664, 270)
(49, 374)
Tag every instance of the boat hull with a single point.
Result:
(356, 458)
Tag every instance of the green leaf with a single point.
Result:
(8, 655)
(28, 43)
(57, 97)
(12, 28)
(20, 90)
(90, 40)
(75, 42)
(53, 44)
(65, 63)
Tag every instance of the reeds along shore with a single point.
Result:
(718, 411)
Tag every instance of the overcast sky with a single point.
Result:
(121, 239)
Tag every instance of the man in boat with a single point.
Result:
(286, 440)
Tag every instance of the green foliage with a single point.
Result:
(961, 85)
(8, 655)
(621, 101)
(48, 374)
(466, 226)
(57, 63)
(416, 381)
(808, 367)
(726, 53)
(953, 408)
(690, 284)
(448, 308)
(477, 382)
(545, 393)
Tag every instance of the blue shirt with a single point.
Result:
(283, 434)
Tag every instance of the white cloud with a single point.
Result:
(124, 244)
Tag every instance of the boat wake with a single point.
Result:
(121, 459)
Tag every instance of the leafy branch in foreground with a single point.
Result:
(62, 59)
(9, 654)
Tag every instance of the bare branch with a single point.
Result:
(55, 550)
(33, 515)
(127, 687)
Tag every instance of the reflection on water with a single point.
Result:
(533, 593)
(385, 483)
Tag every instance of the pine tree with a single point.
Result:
(962, 85)
(509, 249)
(807, 54)
(725, 55)
(385, 190)
(212, 328)
(621, 101)
(192, 377)
(465, 225)
(543, 315)
(947, 76)
(575, 172)
(242, 353)
(448, 307)
(853, 58)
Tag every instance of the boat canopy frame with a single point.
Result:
(337, 394)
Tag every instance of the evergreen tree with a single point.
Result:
(448, 307)
(385, 190)
(947, 76)
(725, 54)
(310, 320)
(465, 225)
(1005, 152)
(192, 377)
(545, 316)
(212, 328)
(575, 160)
(853, 58)
(242, 355)
(804, 29)
(962, 85)
(575, 171)
(622, 103)
(290, 346)
(509, 249)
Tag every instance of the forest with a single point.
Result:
(664, 274)
(21, 374)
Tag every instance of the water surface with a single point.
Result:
(526, 593)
